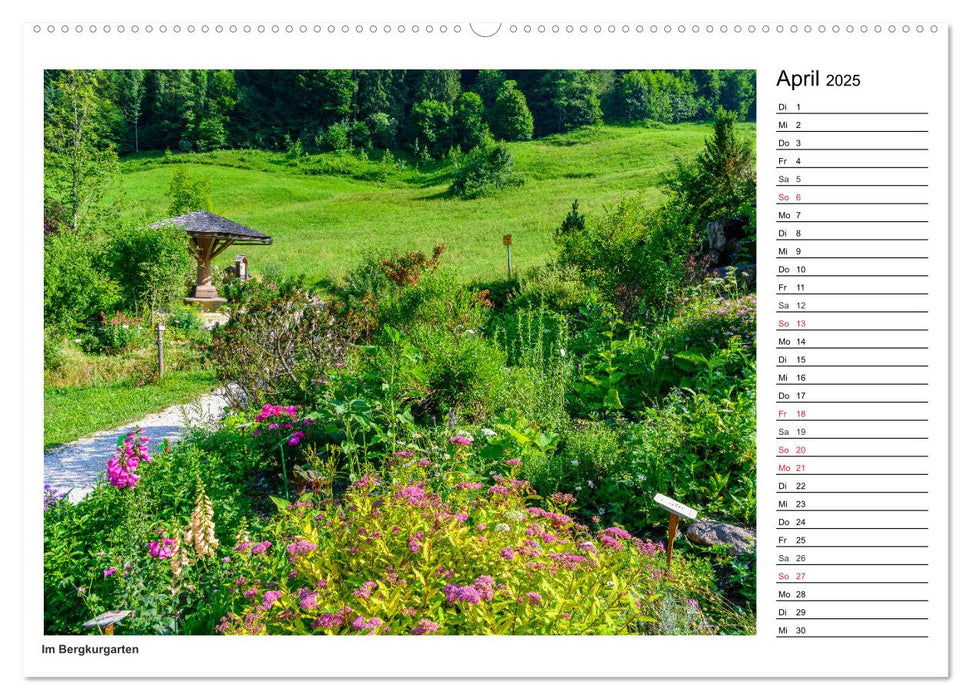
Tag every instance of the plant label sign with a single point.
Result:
(675, 508)
(507, 239)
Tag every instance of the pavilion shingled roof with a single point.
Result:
(205, 224)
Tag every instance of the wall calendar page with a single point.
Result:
(513, 349)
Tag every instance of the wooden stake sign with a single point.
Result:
(507, 241)
(676, 510)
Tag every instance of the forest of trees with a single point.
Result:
(425, 112)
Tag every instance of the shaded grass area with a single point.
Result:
(72, 412)
(324, 210)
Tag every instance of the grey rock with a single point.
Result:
(709, 533)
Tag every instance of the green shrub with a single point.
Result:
(153, 267)
(634, 255)
(116, 333)
(188, 193)
(699, 448)
(487, 169)
(464, 373)
(555, 287)
(76, 284)
(587, 456)
(399, 558)
(185, 317)
(510, 118)
(272, 332)
(337, 137)
(535, 342)
(439, 372)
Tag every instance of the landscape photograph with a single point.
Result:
(399, 352)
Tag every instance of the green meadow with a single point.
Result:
(324, 210)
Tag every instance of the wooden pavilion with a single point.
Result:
(210, 234)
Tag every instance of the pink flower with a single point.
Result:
(364, 592)
(295, 438)
(366, 481)
(362, 623)
(610, 542)
(618, 532)
(484, 585)
(414, 542)
(534, 598)
(270, 597)
(461, 440)
(461, 594)
(161, 549)
(514, 462)
(109, 572)
(328, 621)
(307, 598)
(126, 460)
(425, 626)
(301, 547)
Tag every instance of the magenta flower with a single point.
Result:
(610, 542)
(414, 542)
(425, 626)
(534, 598)
(366, 481)
(328, 621)
(506, 553)
(414, 494)
(618, 532)
(364, 592)
(461, 594)
(514, 462)
(270, 597)
(484, 585)
(461, 440)
(128, 456)
(301, 547)
(469, 486)
(295, 438)
(161, 549)
(307, 599)
(261, 547)
(362, 623)
(109, 572)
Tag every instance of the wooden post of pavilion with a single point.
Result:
(209, 235)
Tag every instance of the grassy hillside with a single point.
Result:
(322, 211)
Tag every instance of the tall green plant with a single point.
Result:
(79, 162)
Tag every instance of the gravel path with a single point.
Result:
(75, 465)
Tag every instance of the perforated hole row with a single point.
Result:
(519, 29)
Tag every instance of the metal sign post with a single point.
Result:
(161, 349)
(507, 241)
(676, 510)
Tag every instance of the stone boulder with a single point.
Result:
(708, 533)
(726, 243)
